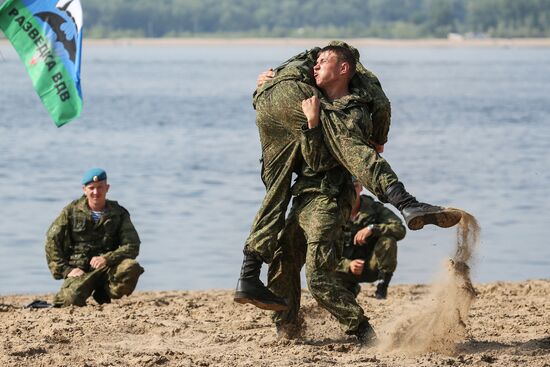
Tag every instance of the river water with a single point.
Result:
(174, 128)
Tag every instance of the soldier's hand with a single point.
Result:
(311, 108)
(98, 262)
(76, 272)
(356, 266)
(361, 236)
(264, 77)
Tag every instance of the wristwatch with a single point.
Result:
(374, 229)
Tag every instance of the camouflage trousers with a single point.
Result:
(380, 255)
(279, 118)
(116, 281)
(312, 236)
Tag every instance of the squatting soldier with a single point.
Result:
(92, 246)
(318, 214)
(370, 244)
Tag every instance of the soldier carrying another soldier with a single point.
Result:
(294, 118)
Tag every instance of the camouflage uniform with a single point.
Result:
(74, 238)
(323, 200)
(380, 249)
(280, 121)
(312, 233)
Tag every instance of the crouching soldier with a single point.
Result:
(92, 246)
(370, 244)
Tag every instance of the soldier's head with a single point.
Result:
(335, 67)
(95, 187)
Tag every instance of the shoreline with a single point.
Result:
(508, 325)
(308, 42)
(49, 296)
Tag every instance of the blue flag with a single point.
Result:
(47, 35)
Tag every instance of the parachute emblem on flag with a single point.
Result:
(64, 30)
(47, 35)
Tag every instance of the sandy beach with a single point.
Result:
(308, 42)
(508, 325)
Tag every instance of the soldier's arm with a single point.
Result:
(56, 237)
(349, 145)
(313, 148)
(128, 242)
(343, 265)
(379, 106)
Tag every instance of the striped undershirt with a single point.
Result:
(96, 215)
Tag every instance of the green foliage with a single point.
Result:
(316, 18)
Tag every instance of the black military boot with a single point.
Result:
(382, 286)
(417, 214)
(250, 288)
(365, 333)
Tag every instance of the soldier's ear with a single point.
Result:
(344, 67)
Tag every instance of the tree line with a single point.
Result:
(316, 18)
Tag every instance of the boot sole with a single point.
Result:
(444, 219)
(243, 299)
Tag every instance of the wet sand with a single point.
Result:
(508, 325)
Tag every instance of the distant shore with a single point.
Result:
(307, 42)
(508, 325)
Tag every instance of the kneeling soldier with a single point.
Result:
(92, 245)
(370, 244)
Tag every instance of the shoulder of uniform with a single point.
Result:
(116, 207)
(369, 203)
(77, 203)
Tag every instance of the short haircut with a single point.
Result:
(344, 54)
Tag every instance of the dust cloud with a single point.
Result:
(438, 322)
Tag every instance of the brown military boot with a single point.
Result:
(250, 288)
(417, 214)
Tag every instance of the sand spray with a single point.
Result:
(438, 322)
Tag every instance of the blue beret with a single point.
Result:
(94, 175)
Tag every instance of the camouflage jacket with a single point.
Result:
(384, 223)
(74, 238)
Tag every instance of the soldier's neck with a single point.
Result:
(96, 207)
(336, 92)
